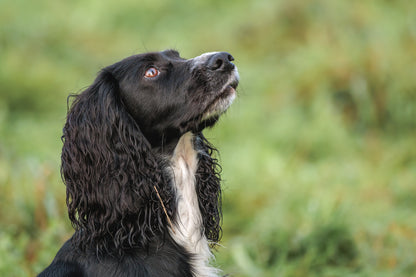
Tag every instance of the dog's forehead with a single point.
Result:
(166, 55)
(171, 53)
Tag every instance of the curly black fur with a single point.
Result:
(208, 181)
(119, 136)
(109, 171)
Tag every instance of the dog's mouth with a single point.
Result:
(224, 99)
(233, 85)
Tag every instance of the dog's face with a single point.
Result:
(168, 96)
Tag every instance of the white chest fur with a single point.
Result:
(188, 228)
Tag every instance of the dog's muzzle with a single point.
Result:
(219, 63)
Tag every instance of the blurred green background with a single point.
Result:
(318, 152)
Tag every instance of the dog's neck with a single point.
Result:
(164, 143)
(188, 229)
(165, 148)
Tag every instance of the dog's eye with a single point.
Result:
(151, 72)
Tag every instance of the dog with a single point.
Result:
(142, 181)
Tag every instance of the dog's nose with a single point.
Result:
(221, 61)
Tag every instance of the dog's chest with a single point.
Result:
(188, 230)
(185, 162)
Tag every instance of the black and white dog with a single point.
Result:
(143, 183)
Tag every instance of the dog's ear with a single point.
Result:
(209, 188)
(110, 173)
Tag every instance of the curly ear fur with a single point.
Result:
(110, 173)
(208, 188)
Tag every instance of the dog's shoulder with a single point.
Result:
(65, 263)
(161, 259)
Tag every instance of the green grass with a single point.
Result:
(318, 151)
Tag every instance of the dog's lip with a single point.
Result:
(230, 87)
(233, 84)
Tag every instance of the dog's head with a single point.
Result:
(168, 96)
